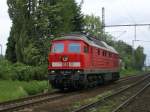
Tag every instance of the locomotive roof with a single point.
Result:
(90, 40)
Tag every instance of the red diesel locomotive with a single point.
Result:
(77, 61)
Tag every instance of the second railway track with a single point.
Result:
(30, 101)
(114, 100)
(130, 99)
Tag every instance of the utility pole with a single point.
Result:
(103, 22)
(1, 49)
(135, 32)
(133, 60)
(103, 19)
(133, 57)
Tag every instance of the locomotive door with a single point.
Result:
(87, 55)
(92, 57)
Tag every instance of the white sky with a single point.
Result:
(124, 12)
(5, 24)
(116, 12)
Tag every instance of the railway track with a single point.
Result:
(30, 101)
(26, 98)
(38, 99)
(130, 99)
(122, 94)
(130, 77)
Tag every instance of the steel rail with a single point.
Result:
(25, 104)
(88, 106)
(128, 77)
(131, 98)
(7, 103)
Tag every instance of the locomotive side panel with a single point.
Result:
(100, 61)
(103, 60)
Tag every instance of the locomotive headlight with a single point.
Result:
(78, 71)
(52, 71)
(74, 64)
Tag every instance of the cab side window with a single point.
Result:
(86, 49)
(98, 52)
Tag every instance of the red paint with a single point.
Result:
(96, 58)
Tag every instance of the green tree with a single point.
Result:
(125, 52)
(10, 52)
(139, 58)
(93, 25)
(33, 21)
(63, 20)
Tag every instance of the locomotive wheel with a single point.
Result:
(92, 80)
(104, 82)
(115, 76)
(100, 80)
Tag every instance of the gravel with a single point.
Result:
(140, 104)
(66, 104)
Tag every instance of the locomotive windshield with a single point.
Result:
(74, 48)
(58, 48)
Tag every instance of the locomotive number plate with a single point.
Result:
(65, 64)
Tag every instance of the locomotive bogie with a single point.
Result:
(78, 81)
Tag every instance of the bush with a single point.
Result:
(19, 71)
(129, 72)
(35, 87)
(6, 70)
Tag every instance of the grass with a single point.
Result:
(91, 100)
(130, 72)
(10, 90)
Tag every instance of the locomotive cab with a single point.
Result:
(66, 55)
(66, 61)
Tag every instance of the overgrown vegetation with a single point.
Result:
(18, 80)
(21, 72)
(129, 72)
(16, 89)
